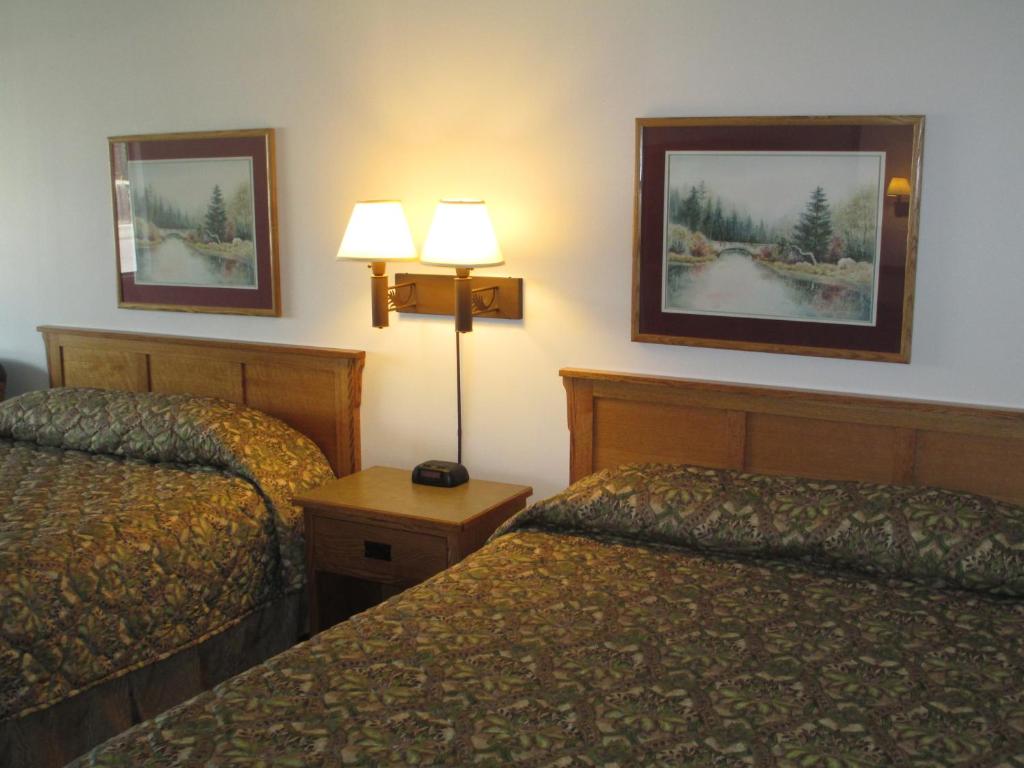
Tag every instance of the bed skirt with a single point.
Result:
(54, 736)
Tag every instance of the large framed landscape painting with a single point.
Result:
(781, 234)
(195, 221)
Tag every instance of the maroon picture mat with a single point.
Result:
(262, 297)
(897, 141)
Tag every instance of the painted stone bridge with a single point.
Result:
(178, 233)
(792, 252)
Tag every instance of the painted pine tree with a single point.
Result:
(691, 209)
(814, 232)
(216, 215)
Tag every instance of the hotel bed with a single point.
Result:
(736, 576)
(149, 546)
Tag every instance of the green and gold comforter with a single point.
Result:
(664, 616)
(134, 525)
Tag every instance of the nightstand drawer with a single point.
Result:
(376, 553)
(373, 533)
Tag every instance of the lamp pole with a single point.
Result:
(458, 393)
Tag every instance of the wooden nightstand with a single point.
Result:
(374, 533)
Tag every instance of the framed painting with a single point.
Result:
(195, 222)
(778, 234)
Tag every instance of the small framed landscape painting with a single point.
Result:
(195, 221)
(777, 234)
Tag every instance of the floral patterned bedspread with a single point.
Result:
(658, 616)
(133, 525)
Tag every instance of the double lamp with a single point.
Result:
(460, 237)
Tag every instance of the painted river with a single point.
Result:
(736, 285)
(172, 262)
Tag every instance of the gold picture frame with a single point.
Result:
(195, 221)
(778, 234)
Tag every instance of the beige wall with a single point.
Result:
(530, 105)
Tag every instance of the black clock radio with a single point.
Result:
(445, 474)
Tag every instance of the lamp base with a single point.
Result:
(444, 474)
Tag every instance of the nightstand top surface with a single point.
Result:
(390, 491)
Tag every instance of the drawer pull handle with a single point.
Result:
(375, 550)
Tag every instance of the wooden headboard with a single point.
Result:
(315, 390)
(616, 418)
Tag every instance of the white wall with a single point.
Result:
(530, 105)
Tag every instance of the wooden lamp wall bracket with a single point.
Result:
(493, 297)
(409, 300)
(485, 305)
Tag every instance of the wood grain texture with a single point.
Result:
(341, 549)
(435, 294)
(426, 528)
(828, 435)
(183, 374)
(967, 462)
(626, 432)
(106, 369)
(829, 450)
(579, 395)
(315, 390)
(389, 493)
(669, 122)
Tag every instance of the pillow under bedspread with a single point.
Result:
(933, 536)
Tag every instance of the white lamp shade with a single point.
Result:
(377, 231)
(461, 235)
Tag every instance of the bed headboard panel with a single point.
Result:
(615, 418)
(315, 390)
